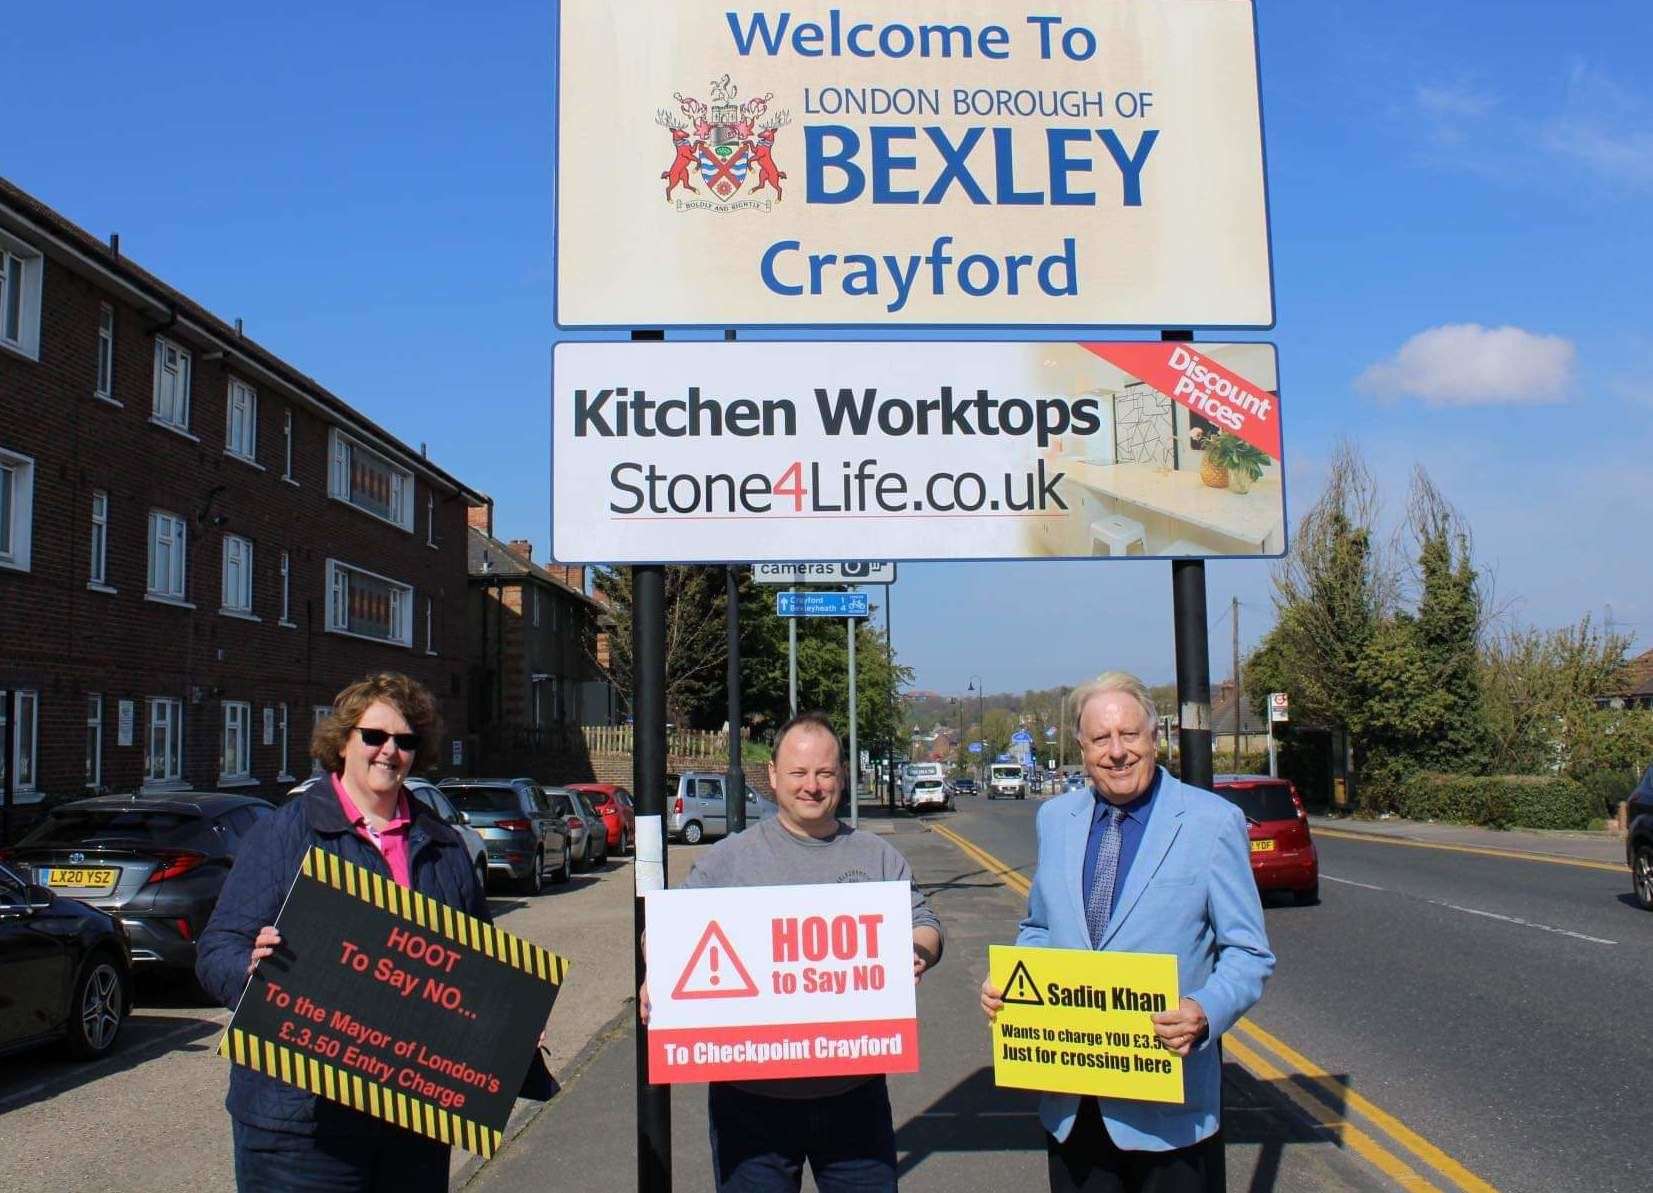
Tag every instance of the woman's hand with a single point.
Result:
(264, 945)
(992, 999)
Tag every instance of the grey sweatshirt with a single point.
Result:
(766, 854)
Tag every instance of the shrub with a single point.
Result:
(1500, 801)
(1606, 788)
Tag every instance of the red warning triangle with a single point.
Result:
(714, 971)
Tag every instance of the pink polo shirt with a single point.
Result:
(391, 841)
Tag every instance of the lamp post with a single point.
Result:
(981, 729)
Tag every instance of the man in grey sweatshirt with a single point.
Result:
(762, 1132)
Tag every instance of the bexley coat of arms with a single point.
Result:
(723, 144)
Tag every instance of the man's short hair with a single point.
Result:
(1115, 681)
(814, 719)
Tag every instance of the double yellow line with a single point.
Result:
(1355, 1121)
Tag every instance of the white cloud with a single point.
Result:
(1453, 101)
(1465, 364)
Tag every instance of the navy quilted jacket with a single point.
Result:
(252, 895)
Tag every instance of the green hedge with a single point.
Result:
(1500, 801)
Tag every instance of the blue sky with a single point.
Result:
(369, 187)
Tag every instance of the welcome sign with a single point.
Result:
(957, 163)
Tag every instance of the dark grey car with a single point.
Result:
(526, 839)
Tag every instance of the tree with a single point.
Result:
(1539, 689)
(696, 644)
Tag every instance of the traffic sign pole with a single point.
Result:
(854, 756)
(648, 781)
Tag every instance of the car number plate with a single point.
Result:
(1262, 847)
(80, 877)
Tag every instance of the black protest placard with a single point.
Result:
(404, 1008)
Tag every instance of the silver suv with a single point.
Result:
(525, 837)
(694, 806)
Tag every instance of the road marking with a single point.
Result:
(1307, 1072)
(1348, 1134)
(1515, 919)
(1516, 854)
(1341, 1095)
(1365, 886)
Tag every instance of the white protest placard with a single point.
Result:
(751, 983)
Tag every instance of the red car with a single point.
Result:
(1283, 856)
(613, 803)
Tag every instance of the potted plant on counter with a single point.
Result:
(1239, 463)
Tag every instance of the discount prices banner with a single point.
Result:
(401, 1007)
(1078, 1022)
(753, 983)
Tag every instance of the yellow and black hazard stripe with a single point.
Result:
(431, 916)
(329, 1081)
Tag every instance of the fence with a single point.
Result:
(680, 743)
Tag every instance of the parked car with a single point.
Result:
(476, 848)
(586, 830)
(1075, 782)
(613, 803)
(65, 970)
(964, 785)
(522, 833)
(695, 808)
(154, 862)
(928, 795)
(1638, 842)
(1283, 856)
(1006, 780)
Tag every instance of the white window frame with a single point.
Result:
(430, 520)
(338, 605)
(171, 361)
(535, 594)
(17, 509)
(167, 714)
(317, 713)
(94, 740)
(235, 751)
(241, 421)
(237, 589)
(430, 625)
(287, 447)
(99, 572)
(282, 776)
(169, 530)
(26, 738)
(341, 448)
(21, 266)
(286, 593)
(105, 385)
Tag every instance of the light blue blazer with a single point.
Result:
(1189, 892)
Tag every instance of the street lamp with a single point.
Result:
(981, 728)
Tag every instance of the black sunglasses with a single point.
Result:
(374, 738)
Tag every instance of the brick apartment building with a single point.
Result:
(199, 545)
(533, 642)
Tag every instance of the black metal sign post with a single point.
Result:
(648, 780)
(734, 785)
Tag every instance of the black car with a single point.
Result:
(1638, 843)
(65, 973)
(964, 785)
(156, 862)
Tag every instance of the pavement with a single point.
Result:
(1602, 847)
(955, 1129)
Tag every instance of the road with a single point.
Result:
(1485, 1002)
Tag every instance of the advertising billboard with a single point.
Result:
(776, 451)
(948, 164)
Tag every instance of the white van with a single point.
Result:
(913, 772)
(1006, 779)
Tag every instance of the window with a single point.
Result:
(368, 606)
(318, 714)
(25, 739)
(16, 509)
(167, 537)
(164, 750)
(241, 429)
(100, 538)
(106, 352)
(171, 384)
(535, 593)
(238, 574)
(235, 759)
(20, 269)
(287, 446)
(286, 590)
(368, 481)
(430, 519)
(281, 740)
(430, 626)
(94, 739)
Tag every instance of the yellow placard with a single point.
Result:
(1077, 1022)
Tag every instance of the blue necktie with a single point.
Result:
(1099, 900)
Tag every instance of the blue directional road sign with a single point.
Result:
(975, 747)
(821, 604)
(1021, 735)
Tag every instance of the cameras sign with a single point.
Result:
(760, 451)
(959, 163)
(752, 983)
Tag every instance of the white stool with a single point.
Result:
(1116, 533)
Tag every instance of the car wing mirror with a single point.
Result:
(464, 817)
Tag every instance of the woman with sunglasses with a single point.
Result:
(379, 730)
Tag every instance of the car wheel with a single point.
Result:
(692, 833)
(625, 843)
(481, 868)
(1641, 873)
(566, 870)
(534, 884)
(1309, 897)
(97, 1009)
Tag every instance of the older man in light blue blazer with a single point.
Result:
(1143, 863)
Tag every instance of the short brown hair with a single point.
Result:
(809, 720)
(406, 695)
